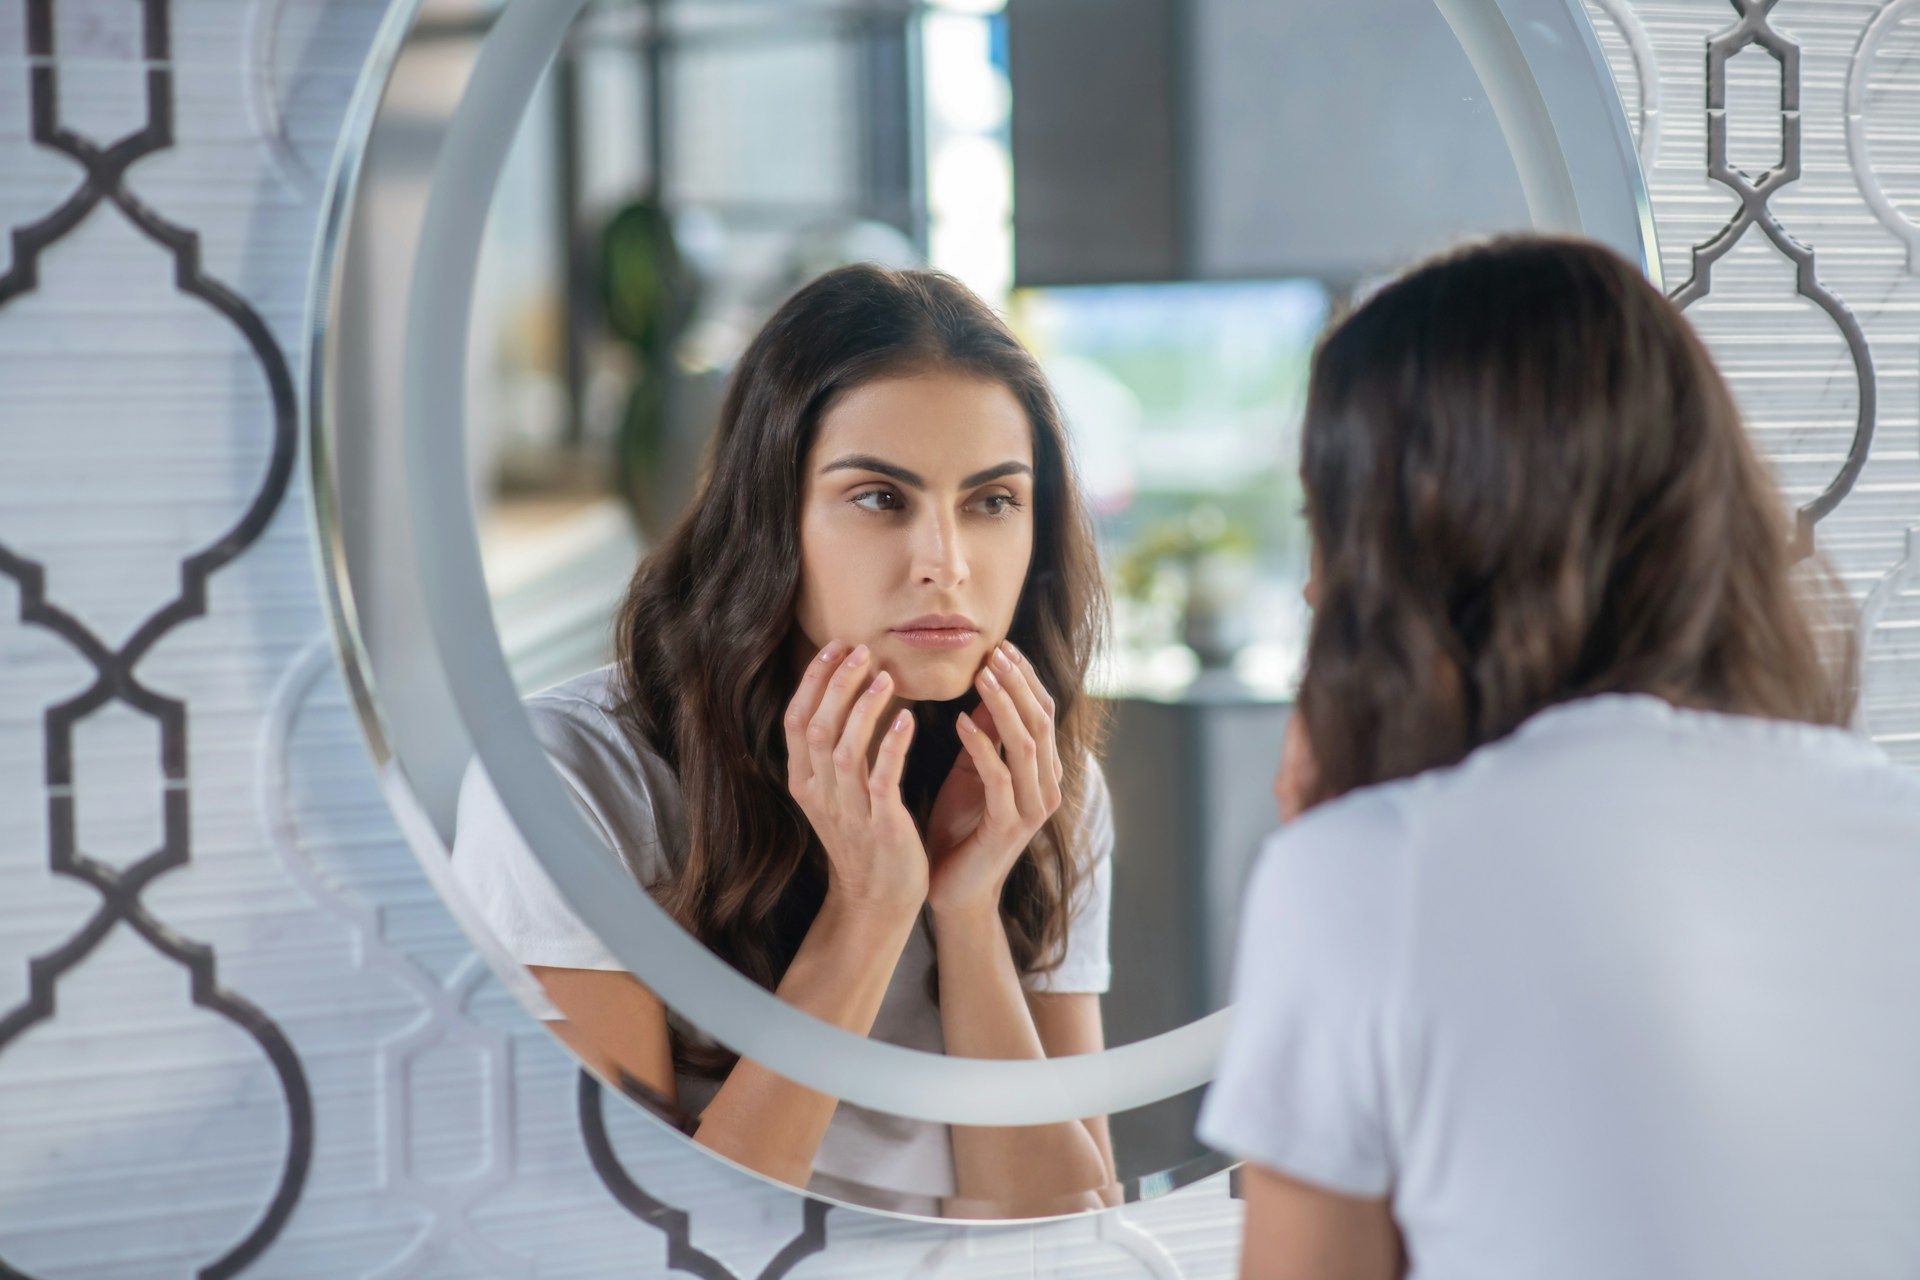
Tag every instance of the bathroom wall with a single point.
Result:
(238, 1035)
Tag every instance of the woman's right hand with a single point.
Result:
(874, 855)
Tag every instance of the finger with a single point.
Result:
(830, 717)
(1022, 752)
(800, 709)
(1046, 700)
(996, 781)
(850, 753)
(1033, 676)
(883, 784)
(982, 719)
(965, 760)
(1036, 712)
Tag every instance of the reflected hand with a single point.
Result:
(990, 808)
(874, 856)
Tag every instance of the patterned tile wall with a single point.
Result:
(238, 1035)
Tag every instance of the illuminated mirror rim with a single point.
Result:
(1554, 98)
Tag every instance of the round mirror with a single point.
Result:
(614, 435)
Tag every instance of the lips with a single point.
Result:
(939, 631)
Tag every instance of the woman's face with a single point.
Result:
(916, 526)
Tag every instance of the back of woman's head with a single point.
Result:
(1527, 483)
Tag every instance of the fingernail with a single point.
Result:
(993, 682)
(1012, 649)
(858, 656)
(966, 725)
(1001, 660)
(881, 681)
(900, 721)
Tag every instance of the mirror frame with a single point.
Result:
(1554, 98)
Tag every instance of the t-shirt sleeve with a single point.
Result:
(1302, 1086)
(1085, 966)
(502, 879)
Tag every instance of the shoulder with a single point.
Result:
(1329, 889)
(1703, 761)
(1085, 966)
(577, 722)
(1096, 803)
(576, 716)
(1091, 824)
(621, 784)
(1372, 819)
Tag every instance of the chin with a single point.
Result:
(938, 681)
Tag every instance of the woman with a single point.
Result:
(1596, 949)
(845, 744)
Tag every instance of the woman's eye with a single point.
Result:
(878, 500)
(999, 504)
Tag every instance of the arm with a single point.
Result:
(1296, 1231)
(984, 1013)
(876, 882)
(983, 821)
(1069, 1022)
(757, 1119)
(613, 1024)
(766, 1121)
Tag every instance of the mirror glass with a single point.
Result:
(1163, 204)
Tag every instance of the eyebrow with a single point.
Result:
(867, 462)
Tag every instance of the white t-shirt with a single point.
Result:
(633, 800)
(1634, 992)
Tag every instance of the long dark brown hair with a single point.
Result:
(705, 639)
(1527, 482)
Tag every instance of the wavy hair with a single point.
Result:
(1527, 483)
(706, 635)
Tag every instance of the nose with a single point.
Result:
(939, 557)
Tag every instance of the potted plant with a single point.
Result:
(1204, 561)
(649, 294)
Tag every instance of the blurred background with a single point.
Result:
(1127, 182)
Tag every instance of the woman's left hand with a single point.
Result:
(990, 808)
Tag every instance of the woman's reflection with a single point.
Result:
(845, 743)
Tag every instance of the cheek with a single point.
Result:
(1010, 561)
(837, 582)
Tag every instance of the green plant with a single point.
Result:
(1181, 544)
(648, 294)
